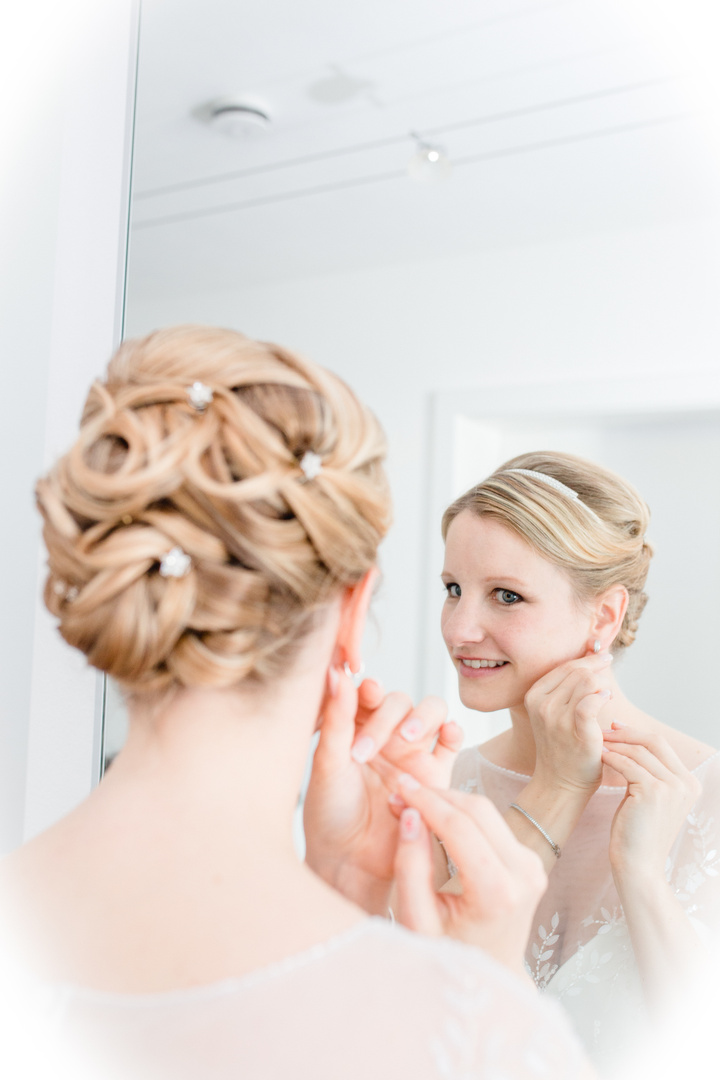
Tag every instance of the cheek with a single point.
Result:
(538, 643)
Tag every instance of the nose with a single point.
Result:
(462, 624)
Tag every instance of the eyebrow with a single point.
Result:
(492, 577)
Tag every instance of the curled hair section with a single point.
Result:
(219, 476)
(594, 529)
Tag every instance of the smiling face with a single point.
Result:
(510, 615)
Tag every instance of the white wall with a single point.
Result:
(598, 307)
(66, 72)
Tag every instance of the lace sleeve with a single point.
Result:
(693, 867)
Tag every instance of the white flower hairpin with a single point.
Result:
(175, 563)
(200, 396)
(311, 464)
(65, 592)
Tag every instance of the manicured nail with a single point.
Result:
(411, 729)
(605, 658)
(616, 724)
(604, 694)
(363, 749)
(395, 800)
(409, 824)
(607, 730)
(333, 681)
(408, 782)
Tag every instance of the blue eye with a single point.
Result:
(506, 597)
(453, 590)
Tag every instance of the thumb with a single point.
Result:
(417, 906)
(337, 730)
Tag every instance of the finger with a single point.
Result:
(390, 775)
(630, 771)
(370, 694)
(587, 712)
(449, 742)
(380, 725)
(460, 829)
(656, 744)
(417, 905)
(450, 737)
(645, 759)
(553, 679)
(337, 730)
(425, 721)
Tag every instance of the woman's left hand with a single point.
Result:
(660, 794)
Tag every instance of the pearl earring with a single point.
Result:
(356, 676)
(596, 646)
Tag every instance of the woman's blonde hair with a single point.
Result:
(268, 544)
(597, 538)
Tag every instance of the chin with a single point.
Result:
(486, 702)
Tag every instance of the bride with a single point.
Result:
(544, 571)
(212, 538)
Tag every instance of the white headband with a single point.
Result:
(557, 484)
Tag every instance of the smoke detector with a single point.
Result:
(237, 118)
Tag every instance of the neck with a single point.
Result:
(222, 767)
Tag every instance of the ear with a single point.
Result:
(354, 607)
(608, 612)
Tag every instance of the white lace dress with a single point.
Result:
(377, 1003)
(580, 951)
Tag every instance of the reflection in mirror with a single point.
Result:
(576, 236)
(564, 263)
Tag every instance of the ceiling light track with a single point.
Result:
(395, 140)
(398, 174)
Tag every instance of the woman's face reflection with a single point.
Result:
(509, 617)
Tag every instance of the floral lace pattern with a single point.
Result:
(580, 952)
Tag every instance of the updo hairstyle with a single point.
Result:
(598, 539)
(268, 543)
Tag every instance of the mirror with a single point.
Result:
(565, 233)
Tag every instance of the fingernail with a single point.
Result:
(411, 729)
(616, 724)
(408, 782)
(409, 824)
(395, 800)
(607, 658)
(363, 749)
(333, 681)
(606, 730)
(605, 694)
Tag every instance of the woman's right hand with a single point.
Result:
(502, 880)
(563, 707)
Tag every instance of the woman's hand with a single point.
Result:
(422, 743)
(351, 829)
(660, 794)
(502, 881)
(563, 707)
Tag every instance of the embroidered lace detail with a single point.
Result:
(542, 954)
(688, 879)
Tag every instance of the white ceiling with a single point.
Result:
(559, 117)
